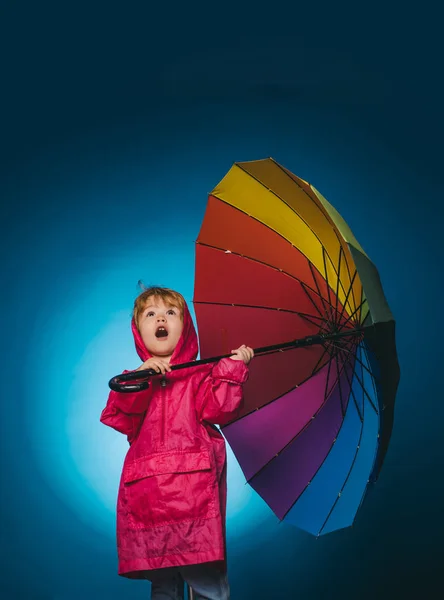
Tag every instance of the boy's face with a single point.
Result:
(160, 326)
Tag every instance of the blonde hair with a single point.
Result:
(168, 296)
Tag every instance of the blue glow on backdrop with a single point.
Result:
(86, 351)
(105, 171)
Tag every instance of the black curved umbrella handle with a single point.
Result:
(117, 383)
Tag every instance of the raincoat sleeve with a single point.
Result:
(125, 412)
(220, 395)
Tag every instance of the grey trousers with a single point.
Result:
(207, 583)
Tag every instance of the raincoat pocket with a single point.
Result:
(170, 487)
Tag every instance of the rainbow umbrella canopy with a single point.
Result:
(276, 262)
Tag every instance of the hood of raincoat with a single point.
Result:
(187, 346)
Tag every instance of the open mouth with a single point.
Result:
(161, 332)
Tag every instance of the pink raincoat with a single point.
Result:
(172, 494)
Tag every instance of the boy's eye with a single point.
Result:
(171, 312)
(150, 313)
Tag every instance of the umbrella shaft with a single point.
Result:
(309, 340)
(116, 383)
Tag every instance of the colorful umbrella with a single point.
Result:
(274, 262)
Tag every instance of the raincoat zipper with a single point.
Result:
(163, 405)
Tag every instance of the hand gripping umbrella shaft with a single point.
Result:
(117, 383)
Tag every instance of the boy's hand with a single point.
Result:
(244, 353)
(158, 364)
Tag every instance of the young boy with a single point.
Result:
(172, 494)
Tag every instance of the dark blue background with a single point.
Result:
(116, 122)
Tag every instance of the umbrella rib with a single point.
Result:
(316, 201)
(359, 355)
(271, 229)
(353, 314)
(348, 266)
(311, 267)
(303, 283)
(327, 381)
(347, 296)
(373, 377)
(373, 465)
(349, 471)
(328, 284)
(348, 292)
(352, 279)
(337, 283)
(335, 321)
(363, 387)
(350, 381)
(324, 253)
(318, 205)
(346, 359)
(294, 437)
(333, 359)
(341, 394)
(361, 304)
(346, 300)
(314, 371)
(345, 480)
(356, 358)
(361, 383)
(285, 310)
(324, 459)
(314, 475)
(310, 317)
